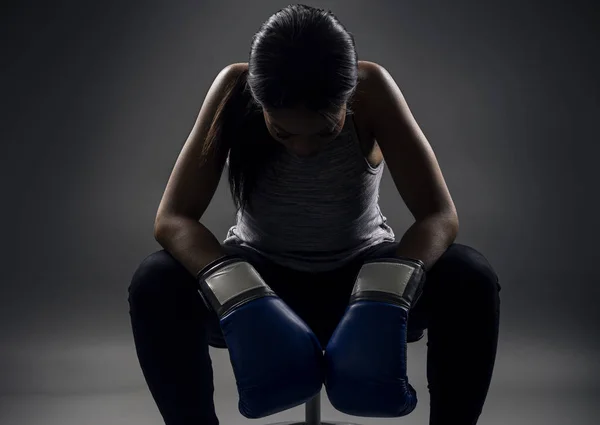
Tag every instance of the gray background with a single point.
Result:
(99, 97)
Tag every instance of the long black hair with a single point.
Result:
(300, 56)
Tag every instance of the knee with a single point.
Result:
(157, 276)
(469, 269)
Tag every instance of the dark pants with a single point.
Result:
(459, 307)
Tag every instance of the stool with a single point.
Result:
(312, 415)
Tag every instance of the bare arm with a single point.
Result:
(191, 187)
(414, 169)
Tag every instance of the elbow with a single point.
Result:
(169, 227)
(445, 223)
(158, 232)
(454, 228)
(451, 224)
(162, 228)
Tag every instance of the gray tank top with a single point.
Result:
(315, 213)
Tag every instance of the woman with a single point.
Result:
(304, 128)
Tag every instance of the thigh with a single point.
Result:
(460, 268)
(162, 293)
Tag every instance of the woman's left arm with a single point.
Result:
(413, 167)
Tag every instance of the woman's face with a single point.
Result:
(303, 132)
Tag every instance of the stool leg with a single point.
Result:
(313, 415)
(313, 411)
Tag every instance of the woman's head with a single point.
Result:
(303, 69)
(302, 72)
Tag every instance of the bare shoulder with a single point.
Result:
(231, 72)
(238, 67)
(225, 79)
(376, 90)
(366, 67)
(366, 92)
(368, 75)
(371, 77)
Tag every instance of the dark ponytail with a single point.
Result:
(238, 133)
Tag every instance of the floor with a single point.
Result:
(534, 385)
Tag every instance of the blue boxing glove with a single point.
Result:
(366, 355)
(277, 360)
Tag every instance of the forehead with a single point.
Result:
(302, 121)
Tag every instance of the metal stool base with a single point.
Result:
(308, 423)
(313, 415)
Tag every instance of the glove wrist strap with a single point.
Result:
(393, 280)
(230, 282)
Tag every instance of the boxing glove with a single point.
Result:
(277, 360)
(365, 358)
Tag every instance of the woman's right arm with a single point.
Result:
(191, 187)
